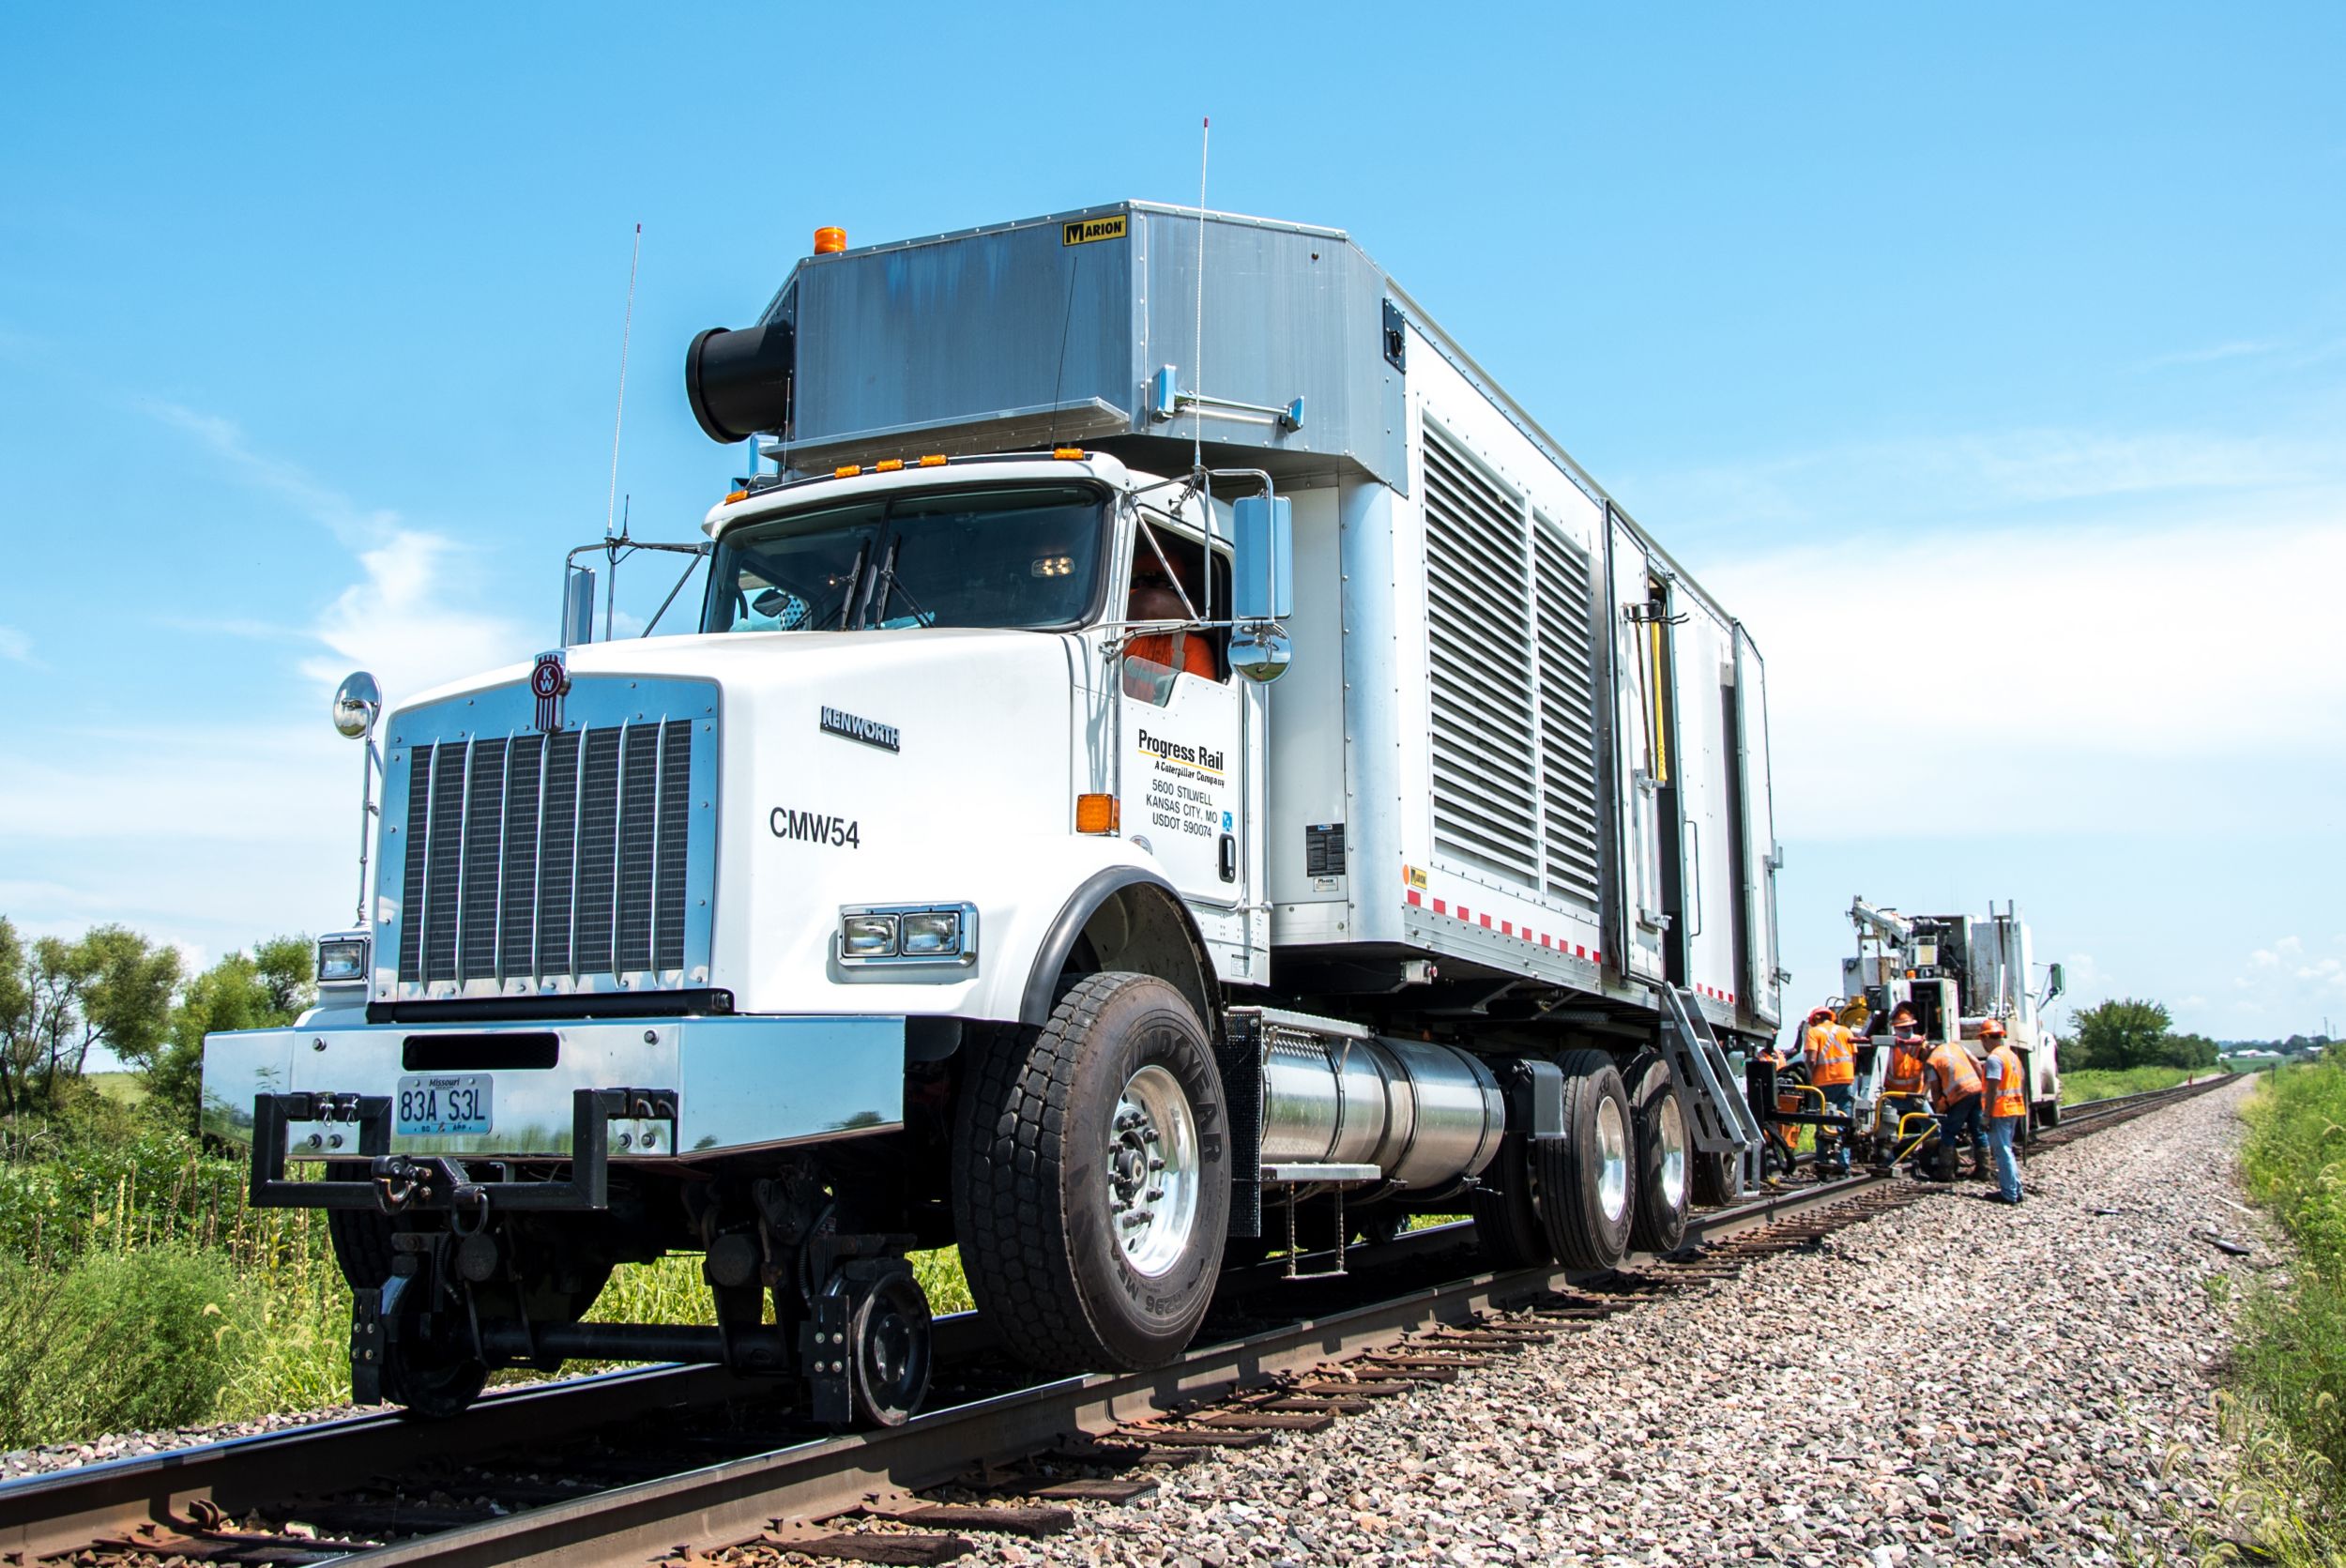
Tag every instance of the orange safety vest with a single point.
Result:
(2011, 1096)
(1906, 1071)
(1832, 1056)
(1957, 1074)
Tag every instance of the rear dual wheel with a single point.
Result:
(1617, 1177)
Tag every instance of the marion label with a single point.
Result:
(839, 722)
(1085, 230)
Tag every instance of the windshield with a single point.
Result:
(1026, 557)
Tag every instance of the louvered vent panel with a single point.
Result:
(1479, 610)
(1568, 814)
(537, 855)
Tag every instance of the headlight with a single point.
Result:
(341, 960)
(867, 937)
(910, 933)
(932, 933)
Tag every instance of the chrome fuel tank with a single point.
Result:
(1426, 1116)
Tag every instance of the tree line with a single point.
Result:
(2127, 1033)
(64, 1001)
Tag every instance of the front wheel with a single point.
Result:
(1091, 1183)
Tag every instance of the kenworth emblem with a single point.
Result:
(841, 722)
(548, 681)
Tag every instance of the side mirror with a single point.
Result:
(2055, 983)
(1265, 566)
(578, 606)
(358, 704)
(1263, 592)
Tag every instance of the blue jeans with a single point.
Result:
(1959, 1129)
(2002, 1131)
(1838, 1100)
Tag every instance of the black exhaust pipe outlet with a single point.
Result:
(738, 383)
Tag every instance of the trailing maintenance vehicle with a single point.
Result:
(1174, 761)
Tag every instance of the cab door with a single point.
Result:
(1182, 771)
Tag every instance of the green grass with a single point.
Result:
(2108, 1083)
(2290, 1363)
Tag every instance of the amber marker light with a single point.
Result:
(888, 466)
(733, 496)
(847, 471)
(830, 241)
(934, 459)
(1068, 454)
(1096, 814)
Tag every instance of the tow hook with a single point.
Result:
(398, 1182)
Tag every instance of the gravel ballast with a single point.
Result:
(1956, 1381)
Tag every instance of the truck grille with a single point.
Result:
(554, 859)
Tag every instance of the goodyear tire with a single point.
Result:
(1507, 1227)
(1588, 1178)
(1665, 1155)
(1091, 1183)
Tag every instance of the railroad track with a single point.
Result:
(624, 1467)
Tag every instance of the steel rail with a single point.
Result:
(61, 1510)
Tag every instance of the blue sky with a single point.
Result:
(1990, 361)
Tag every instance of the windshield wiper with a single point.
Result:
(889, 587)
(850, 603)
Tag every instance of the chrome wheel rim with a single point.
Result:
(1612, 1160)
(1153, 1172)
(1671, 1129)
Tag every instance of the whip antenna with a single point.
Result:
(1197, 419)
(611, 504)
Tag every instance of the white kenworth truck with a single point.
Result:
(965, 878)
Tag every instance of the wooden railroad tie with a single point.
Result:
(1260, 1419)
(905, 1551)
(966, 1515)
(1371, 1387)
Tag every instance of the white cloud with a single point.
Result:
(2241, 349)
(2006, 681)
(2289, 986)
(404, 621)
(213, 830)
(225, 439)
(1992, 478)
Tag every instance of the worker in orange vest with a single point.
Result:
(1907, 1051)
(1956, 1084)
(1902, 1081)
(1832, 1053)
(2008, 1106)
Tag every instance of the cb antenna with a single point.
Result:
(611, 504)
(1197, 417)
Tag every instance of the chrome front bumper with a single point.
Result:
(733, 1084)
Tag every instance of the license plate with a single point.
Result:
(443, 1104)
